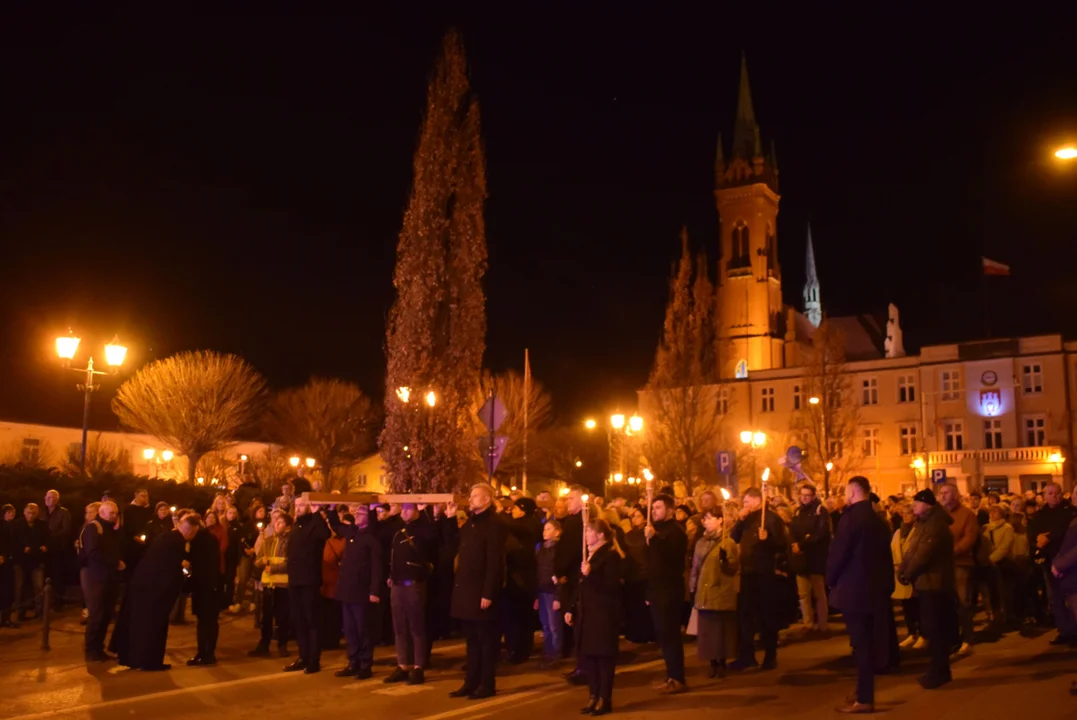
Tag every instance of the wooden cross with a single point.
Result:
(369, 498)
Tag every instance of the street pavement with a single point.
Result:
(1009, 679)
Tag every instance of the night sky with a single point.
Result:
(237, 182)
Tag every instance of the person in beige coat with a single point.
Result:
(910, 606)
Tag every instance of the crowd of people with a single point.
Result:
(732, 573)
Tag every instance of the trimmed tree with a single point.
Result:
(196, 402)
(437, 326)
(331, 421)
(681, 398)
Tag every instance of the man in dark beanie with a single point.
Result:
(928, 566)
(517, 610)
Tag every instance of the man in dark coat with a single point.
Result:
(667, 548)
(860, 573)
(928, 565)
(58, 557)
(141, 634)
(760, 535)
(410, 563)
(569, 555)
(136, 522)
(101, 563)
(517, 614)
(360, 589)
(1046, 529)
(205, 585)
(305, 549)
(810, 532)
(477, 583)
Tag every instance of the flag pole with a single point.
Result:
(527, 403)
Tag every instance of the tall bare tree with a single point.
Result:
(828, 428)
(331, 421)
(196, 402)
(509, 387)
(103, 459)
(682, 397)
(437, 325)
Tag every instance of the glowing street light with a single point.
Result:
(1067, 152)
(618, 477)
(829, 466)
(590, 423)
(310, 462)
(1055, 457)
(917, 463)
(759, 439)
(167, 455)
(746, 437)
(635, 424)
(579, 463)
(404, 393)
(431, 399)
(563, 491)
(148, 453)
(66, 347)
(813, 400)
(617, 421)
(293, 461)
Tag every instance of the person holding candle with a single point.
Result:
(667, 548)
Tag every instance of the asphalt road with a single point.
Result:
(1009, 679)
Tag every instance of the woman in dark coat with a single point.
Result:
(596, 614)
(638, 627)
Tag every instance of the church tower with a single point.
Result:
(749, 276)
(813, 306)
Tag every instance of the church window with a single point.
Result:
(767, 396)
(742, 369)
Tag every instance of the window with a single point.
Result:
(992, 434)
(31, 451)
(909, 440)
(767, 394)
(869, 391)
(906, 388)
(951, 384)
(954, 432)
(1035, 431)
(837, 449)
(361, 480)
(869, 441)
(798, 397)
(723, 401)
(1032, 378)
(742, 369)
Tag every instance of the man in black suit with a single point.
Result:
(478, 580)
(860, 573)
(309, 533)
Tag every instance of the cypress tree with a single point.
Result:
(437, 326)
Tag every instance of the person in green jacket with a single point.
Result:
(713, 582)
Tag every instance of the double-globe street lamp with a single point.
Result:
(115, 353)
(619, 429)
(753, 439)
(430, 400)
(151, 456)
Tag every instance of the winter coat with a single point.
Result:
(929, 559)
(859, 570)
(898, 547)
(305, 548)
(1066, 561)
(596, 612)
(966, 531)
(714, 573)
(332, 556)
(480, 569)
(274, 551)
(1001, 535)
(666, 555)
(760, 557)
(362, 569)
(810, 530)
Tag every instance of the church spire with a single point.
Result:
(813, 306)
(746, 140)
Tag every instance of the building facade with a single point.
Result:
(995, 414)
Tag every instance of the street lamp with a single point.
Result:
(293, 461)
(115, 353)
(617, 421)
(813, 400)
(1066, 152)
(167, 455)
(590, 423)
(755, 440)
(431, 399)
(635, 424)
(148, 453)
(404, 393)
(579, 463)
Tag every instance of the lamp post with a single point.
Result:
(430, 401)
(66, 347)
(754, 439)
(1066, 152)
(619, 430)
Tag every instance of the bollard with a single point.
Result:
(46, 613)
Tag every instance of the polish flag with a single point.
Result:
(993, 267)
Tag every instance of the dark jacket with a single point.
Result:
(1066, 560)
(667, 553)
(1053, 520)
(101, 551)
(480, 569)
(412, 553)
(205, 581)
(760, 557)
(523, 534)
(33, 536)
(59, 522)
(929, 560)
(570, 553)
(859, 570)
(362, 572)
(635, 548)
(811, 532)
(305, 549)
(596, 612)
